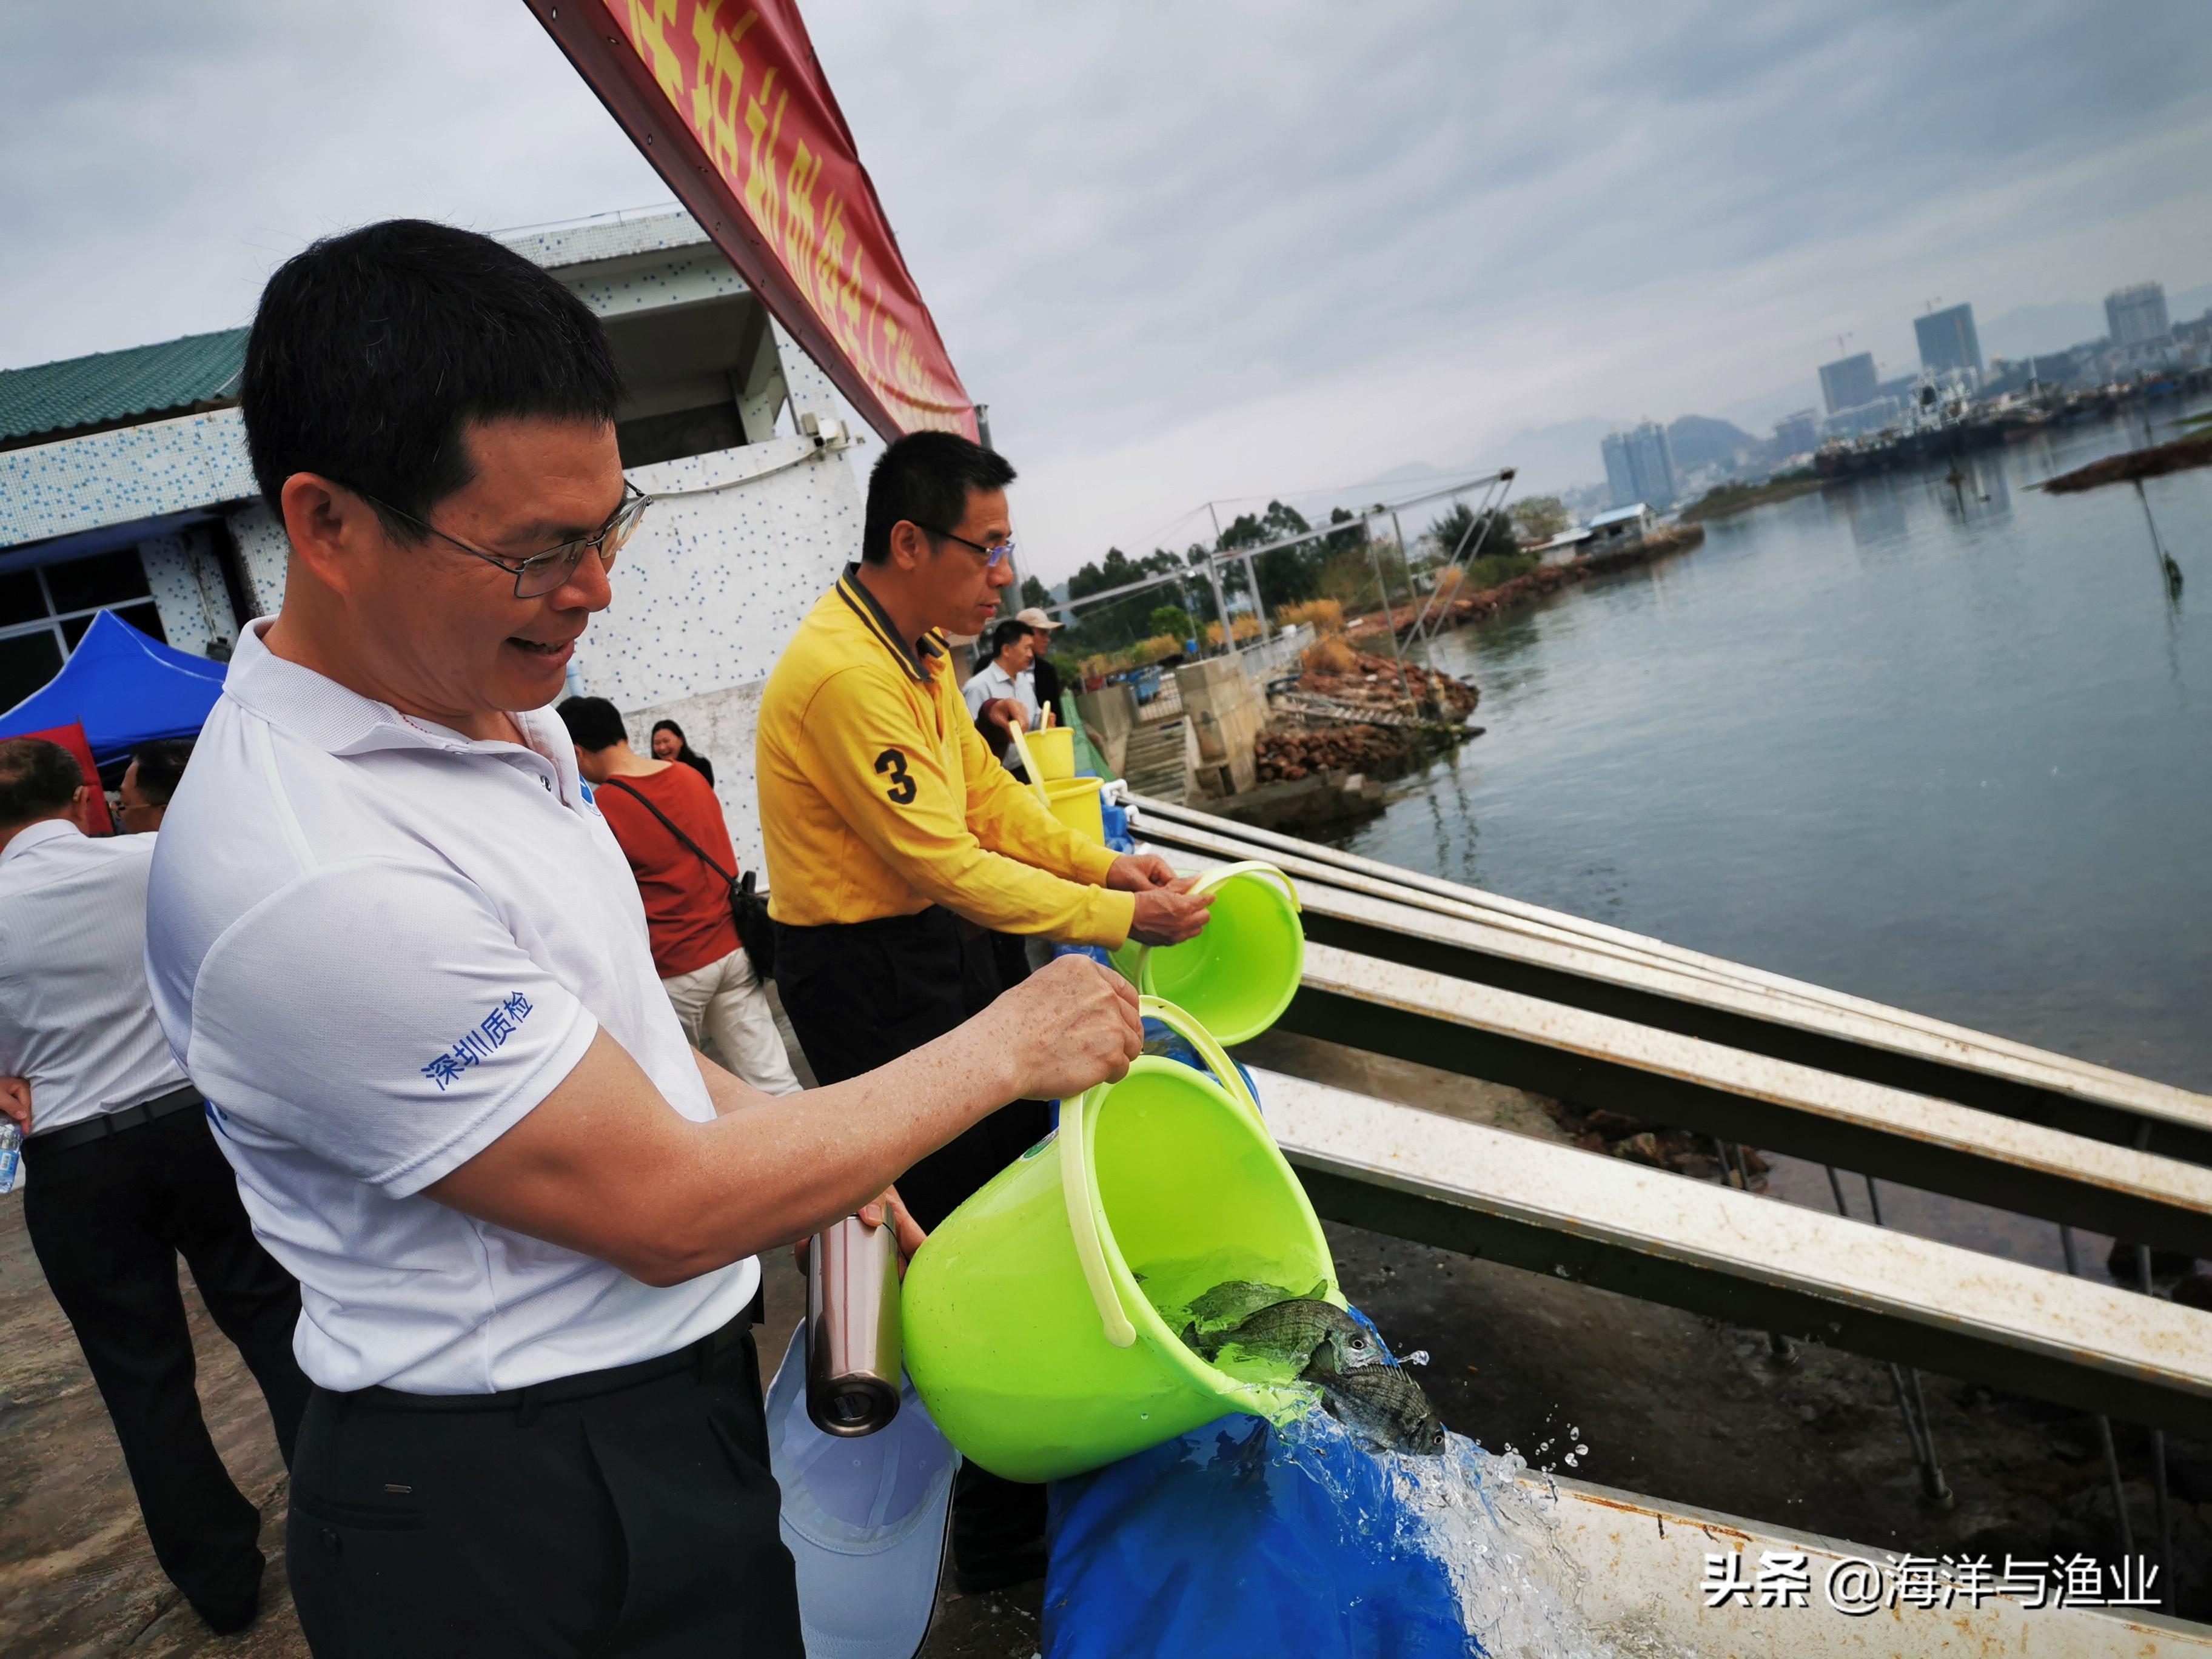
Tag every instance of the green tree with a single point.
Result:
(1352, 540)
(1286, 575)
(1453, 540)
(1171, 619)
(1117, 622)
(1034, 593)
(1540, 518)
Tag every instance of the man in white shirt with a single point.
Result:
(392, 938)
(1003, 690)
(150, 780)
(123, 1177)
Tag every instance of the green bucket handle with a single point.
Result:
(1212, 879)
(1074, 1169)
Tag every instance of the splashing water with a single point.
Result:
(1495, 1540)
(1518, 1589)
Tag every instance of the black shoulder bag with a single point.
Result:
(756, 932)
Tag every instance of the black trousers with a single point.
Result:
(636, 1519)
(108, 1219)
(860, 995)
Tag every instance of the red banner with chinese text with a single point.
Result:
(726, 100)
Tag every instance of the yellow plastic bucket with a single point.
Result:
(1049, 754)
(1239, 975)
(1074, 802)
(1028, 1331)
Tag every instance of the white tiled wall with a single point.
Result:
(737, 546)
(262, 552)
(720, 725)
(188, 590)
(134, 473)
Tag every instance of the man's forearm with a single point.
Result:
(603, 1166)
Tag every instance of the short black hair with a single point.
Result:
(1007, 630)
(161, 765)
(372, 351)
(593, 723)
(37, 780)
(925, 478)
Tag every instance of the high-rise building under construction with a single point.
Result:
(1848, 382)
(2136, 316)
(1947, 339)
(1639, 466)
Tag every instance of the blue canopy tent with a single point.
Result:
(124, 689)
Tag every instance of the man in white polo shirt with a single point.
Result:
(400, 952)
(125, 1177)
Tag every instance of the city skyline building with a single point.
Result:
(1848, 382)
(2136, 315)
(1947, 340)
(1799, 432)
(1639, 466)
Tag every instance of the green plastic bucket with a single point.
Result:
(1027, 1331)
(1239, 975)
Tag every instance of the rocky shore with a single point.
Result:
(1544, 580)
(1356, 713)
(2155, 461)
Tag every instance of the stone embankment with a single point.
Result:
(1413, 717)
(1544, 580)
(2155, 461)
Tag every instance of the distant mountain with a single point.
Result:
(1545, 459)
(1698, 440)
(1760, 413)
(2027, 330)
(1549, 458)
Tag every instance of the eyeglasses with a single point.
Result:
(541, 573)
(993, 555)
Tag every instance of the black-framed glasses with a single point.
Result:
(541, 573)
(993, 555)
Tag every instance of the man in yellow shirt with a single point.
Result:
(895, 842)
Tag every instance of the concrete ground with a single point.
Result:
(1669, 1404)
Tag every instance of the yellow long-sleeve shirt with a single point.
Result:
(878, 798)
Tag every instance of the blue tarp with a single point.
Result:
(124, 689)
(1238, 1539)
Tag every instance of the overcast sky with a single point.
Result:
(1213, 251)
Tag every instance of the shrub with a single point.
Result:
(1172, 620)
(1495, 571)
(1325, 614)
(1145, 652)
(1330, 654)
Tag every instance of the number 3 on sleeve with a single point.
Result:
(902, 781)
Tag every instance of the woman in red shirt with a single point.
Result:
(708, 977)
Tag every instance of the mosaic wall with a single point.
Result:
(262, 552)
(738, 547)
(188, 590)
(114, 478)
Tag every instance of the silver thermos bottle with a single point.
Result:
(854, 1364)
